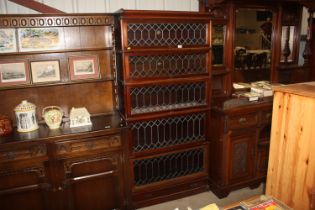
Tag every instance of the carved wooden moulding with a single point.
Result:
(104, 143)
(43, 21)
(24, 153)
(218, 12)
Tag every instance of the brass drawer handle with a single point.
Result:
(242, 120)
(268, 116)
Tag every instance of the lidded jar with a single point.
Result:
(26, 117)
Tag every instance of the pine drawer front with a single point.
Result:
(98, 143)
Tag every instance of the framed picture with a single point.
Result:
(45, 71)
(14, 72)
(7, 40)
(35, 39)
(84, 67)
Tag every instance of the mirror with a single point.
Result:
(252, 44)
(218, 40)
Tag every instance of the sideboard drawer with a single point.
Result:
(266, 116)
(75, 146)
(243, 121)
(23, 152)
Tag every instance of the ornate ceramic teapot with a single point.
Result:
(52, 116)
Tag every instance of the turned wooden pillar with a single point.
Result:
(286, 49)
(307, 50)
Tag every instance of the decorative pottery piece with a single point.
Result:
(52, 116)
(26, 117)
(79, 117)
(5, 125)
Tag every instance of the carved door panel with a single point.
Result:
(24, 182)
(93, 183)
(241, 152)
(23, 188)
(262, 160)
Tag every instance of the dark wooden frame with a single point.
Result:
(26, 70)
(33, 72)
(94, 75)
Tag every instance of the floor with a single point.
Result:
(195, 202)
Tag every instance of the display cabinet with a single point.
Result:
(163, 68)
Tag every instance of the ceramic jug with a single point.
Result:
(52, 116)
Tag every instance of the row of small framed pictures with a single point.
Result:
(17, 72)
(31, 39)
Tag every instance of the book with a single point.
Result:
(250, 96)
(236, 208)
(263, 92)
(241, 85)
(264, 203)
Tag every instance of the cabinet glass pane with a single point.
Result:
(165, 132)
(169, 166)
(167, 65)
(156, 98)
(218, 40)
(166, 34)
(287, 39)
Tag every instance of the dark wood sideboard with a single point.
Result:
(66, 168)
(239, 149)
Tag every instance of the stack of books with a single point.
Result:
(262, 87)
(264, 203)
(253, 91)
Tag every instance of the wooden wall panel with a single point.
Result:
(55, 95)
(103, 6)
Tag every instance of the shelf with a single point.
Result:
(57, 51)
(55, 84)
(166, 107)
(166, 49)
(102, 123)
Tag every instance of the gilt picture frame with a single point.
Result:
(14, 72)
(45, 71)
(40, 39)
(84, 67)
